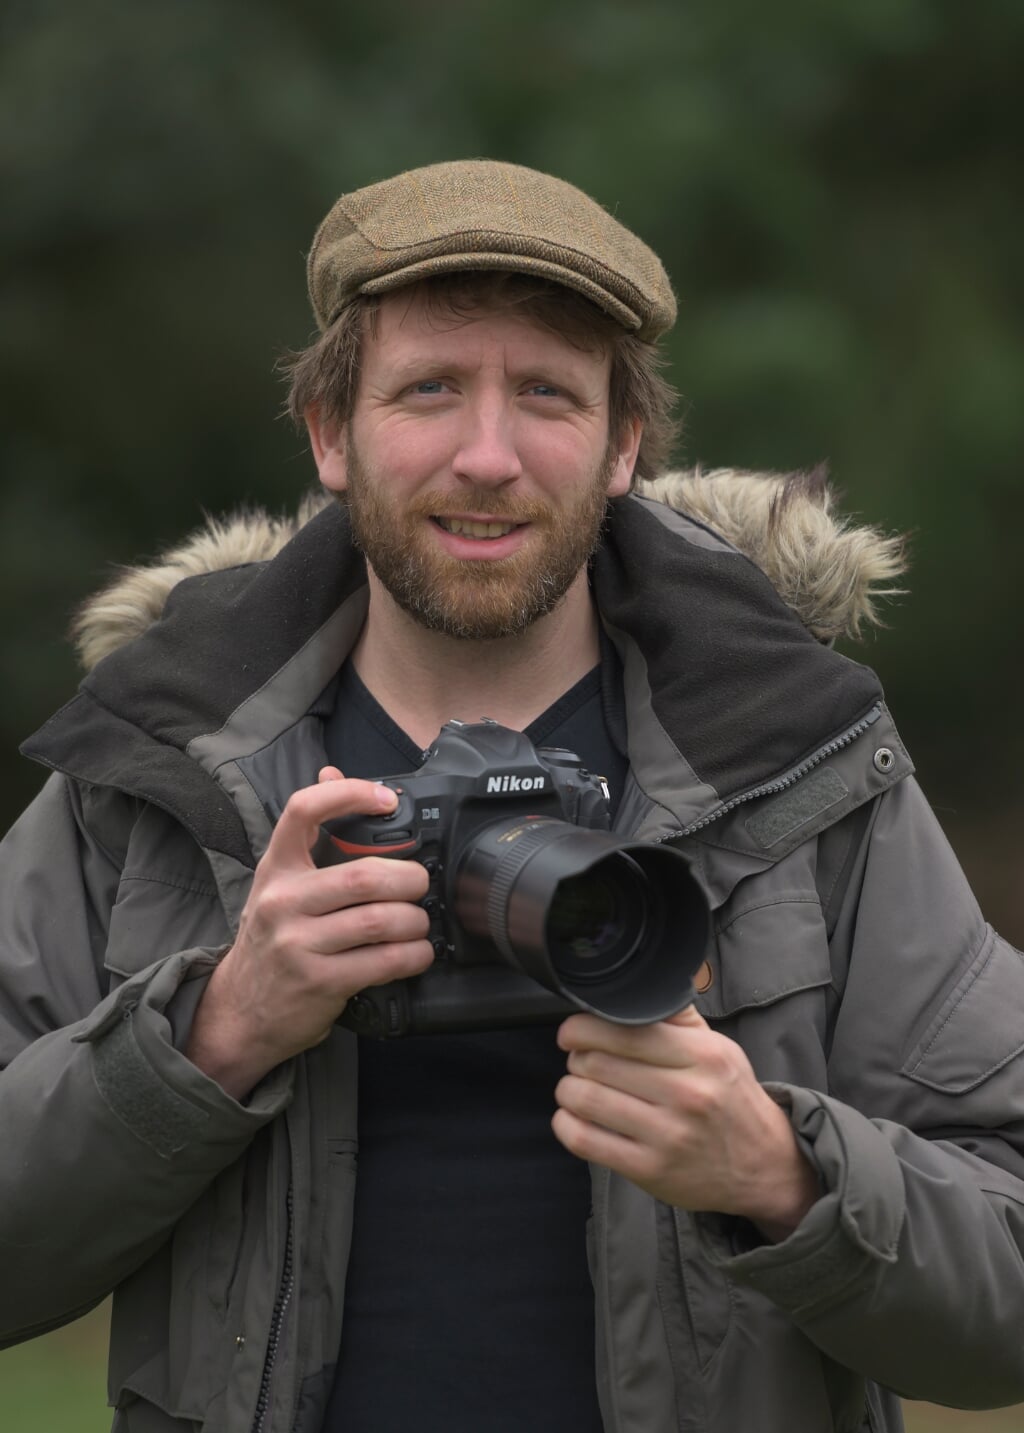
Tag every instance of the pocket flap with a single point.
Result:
(765, 952)
(979, 1027)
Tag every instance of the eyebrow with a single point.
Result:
(546, 368)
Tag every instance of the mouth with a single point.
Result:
(478, 529)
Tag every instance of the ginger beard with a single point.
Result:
(474, 600)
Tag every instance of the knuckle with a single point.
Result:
(600, 1066)
(723, 1055)
(652, 1164)
(361, 880)
(371, 924)
(399, 959)
(419, 923)
(579, 1138)
(698, 1098)
(591, 1142)
(419, 880)
(299, 806)
(581, 1062)
(585, 1097)
(399, 875)
(271, 905)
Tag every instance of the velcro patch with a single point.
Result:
(139, 1098)
(794, 808)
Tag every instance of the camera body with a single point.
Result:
(535, 908)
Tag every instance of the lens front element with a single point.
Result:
(616, 927)
(597, 920)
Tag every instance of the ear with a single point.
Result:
(625, 461)
(327, 438)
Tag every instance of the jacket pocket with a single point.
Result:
(155, 917)
(213, 1251)
(135, 1415)
(764, 951)
(978, 1028)
(857, 1404)
(769, 986)
(166, 900)
(224, 1233)
(848, 1399)
(696, 1297)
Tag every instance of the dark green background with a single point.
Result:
(835, 188)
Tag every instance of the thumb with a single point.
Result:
(689, 1015)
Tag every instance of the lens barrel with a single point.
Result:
(615, 927)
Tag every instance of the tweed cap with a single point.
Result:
(482, 214)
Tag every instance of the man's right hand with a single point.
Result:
(309, 938)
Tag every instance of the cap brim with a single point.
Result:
(512, 263)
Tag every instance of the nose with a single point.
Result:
(486, 453)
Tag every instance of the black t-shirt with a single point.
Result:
(468, 1304)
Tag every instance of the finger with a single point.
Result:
(377, 923)
(613, 1110)
(307, 809)
(689, 1015)
(659, 1044)
(354, 970)
(643, 1081)
(601, 1146)
(370, 878)
(330, 773)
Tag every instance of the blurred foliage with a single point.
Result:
(834, 188)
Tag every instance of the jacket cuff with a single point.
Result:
(843, 1239)
(163, 1099)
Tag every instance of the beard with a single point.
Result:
(474, 601)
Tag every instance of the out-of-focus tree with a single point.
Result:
(835, 190)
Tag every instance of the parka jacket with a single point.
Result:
(848, 958)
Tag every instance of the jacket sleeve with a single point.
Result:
(109, 1133)
(910, 1268)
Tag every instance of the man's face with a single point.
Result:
(476, 465)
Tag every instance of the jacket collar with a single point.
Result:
(720, 673)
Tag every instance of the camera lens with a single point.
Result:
(615, 927)
(597, 920)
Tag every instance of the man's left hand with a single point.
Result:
(676, 1108)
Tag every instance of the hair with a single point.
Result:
(325, 375)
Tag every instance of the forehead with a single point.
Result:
(408, 327)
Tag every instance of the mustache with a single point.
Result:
(479, 504)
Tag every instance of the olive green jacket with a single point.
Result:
(848, 958)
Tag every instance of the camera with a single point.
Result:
(536, 908)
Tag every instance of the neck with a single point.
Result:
(423, 679)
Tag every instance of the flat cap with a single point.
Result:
(482, 214)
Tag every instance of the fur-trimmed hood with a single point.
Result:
(728, 694)
(830, 571)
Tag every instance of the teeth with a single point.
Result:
(461, 528)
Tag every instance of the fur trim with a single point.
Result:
(830, 572)
(136, 598)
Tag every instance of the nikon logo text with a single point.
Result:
(514, 783)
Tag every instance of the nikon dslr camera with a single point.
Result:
(535, 908)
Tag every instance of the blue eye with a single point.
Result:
(546, 389)
(429, 385)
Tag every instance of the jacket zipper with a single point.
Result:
(790, 778)
(767, 788)
(284, 1294)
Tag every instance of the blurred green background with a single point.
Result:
(835, 189)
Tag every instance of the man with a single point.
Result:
(770, 1211)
